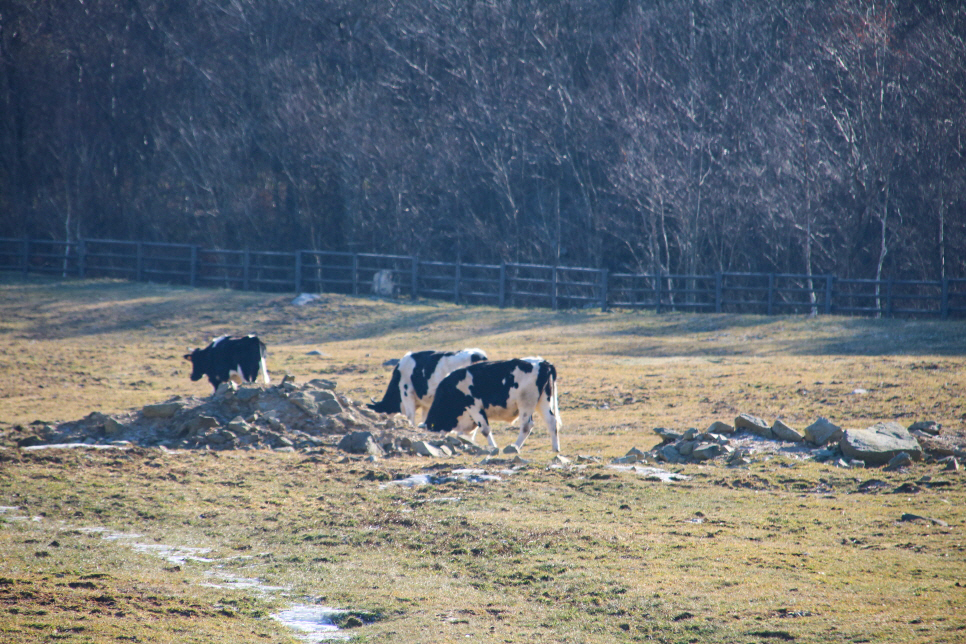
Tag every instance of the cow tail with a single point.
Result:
(391, 402)
(262, 354)
(553, 397)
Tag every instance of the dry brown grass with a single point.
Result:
(778, 551)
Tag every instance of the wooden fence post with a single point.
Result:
(771, 293)
(829, 280)
(193, 278)
(355, 273)
(553, 288)
(603, 290)
(502, 297)
(456, 282)
(717, 292)
(889, 297)
(944, 302)
(81, 258)
(414, 288)
(139, 262)
(298, 271)
(658, 296)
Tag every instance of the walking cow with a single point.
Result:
(228, 358)
(506, 390)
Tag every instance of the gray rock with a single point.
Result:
(560, 460)
(930, 427)
(786, 433)
(669, 453)
(391, 362)
(247, 394)
(360, 443)
(822, 432)
(161, 410)
(667, 435)
(636, 454)
(112, 427)
(511, 449)
(950, 464)
(686, 447)
(305, 402)
(690, 434)
(321, 383)
(899, 461)
(753, 424)
(239, 425)
(283, 441)
(718, 427)
(707, 451)
(879, 444)
(199, 424)
(425, 448)
(329, 407)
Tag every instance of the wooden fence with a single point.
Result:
(507, 284)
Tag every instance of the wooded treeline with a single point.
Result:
(683, 136)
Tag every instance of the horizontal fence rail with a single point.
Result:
(507, 284)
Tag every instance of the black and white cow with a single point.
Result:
(228, 358)
(415, 378)
(488, 391)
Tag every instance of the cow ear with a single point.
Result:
(187, 356)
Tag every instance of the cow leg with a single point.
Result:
(264, 368)
(551, 420)
(480, 418)
(409, 408)
(525, 428)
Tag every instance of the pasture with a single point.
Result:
(151, 545)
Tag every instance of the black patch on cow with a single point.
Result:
(219, 358)
(546, 378)
(391, 402)
(425, 365)
(492, 384)
(493, 381)
(449, 404)
(477, 357)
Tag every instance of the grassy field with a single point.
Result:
(196, 546)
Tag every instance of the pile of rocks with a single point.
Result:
(278, 417)
(887, 443)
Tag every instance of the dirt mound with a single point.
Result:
(284, 416)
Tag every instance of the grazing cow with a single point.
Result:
(477, 394)
(227, 358)
(415, 378)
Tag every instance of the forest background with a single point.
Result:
(680, 136)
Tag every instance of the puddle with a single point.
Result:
(313, 623)
(652, 473)
(470, 475)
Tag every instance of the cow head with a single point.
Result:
(199, 363)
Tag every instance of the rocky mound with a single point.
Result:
(886, 443)
(286, 416)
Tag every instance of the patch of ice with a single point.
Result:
(652, 473)
(312, 623)
(8, 508)
(470, 475)
(33, 448)
(177, 555)
(239, 583)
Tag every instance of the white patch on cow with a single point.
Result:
(465, 384)
(264, 368)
